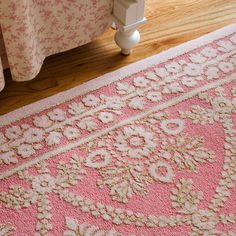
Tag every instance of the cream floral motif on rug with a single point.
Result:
(149, 149)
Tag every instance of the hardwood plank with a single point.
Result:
(170, 22)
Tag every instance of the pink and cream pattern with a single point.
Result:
(34, 29)
(149, 149)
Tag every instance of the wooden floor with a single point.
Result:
(170, 22)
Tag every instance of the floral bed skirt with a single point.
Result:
(31, 30)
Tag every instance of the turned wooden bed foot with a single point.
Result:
(128, 15)
(127, 40)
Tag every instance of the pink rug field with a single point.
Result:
(147, 150)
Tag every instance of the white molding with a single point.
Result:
(123, 27)
(128, 15)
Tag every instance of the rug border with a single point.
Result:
(113, 76)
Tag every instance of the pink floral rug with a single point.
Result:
(147, 150)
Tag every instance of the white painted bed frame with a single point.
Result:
(128, 15)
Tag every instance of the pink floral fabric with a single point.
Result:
(147, 150)
(31, 30)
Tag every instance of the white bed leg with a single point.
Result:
(128, 15)
(127, 40)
